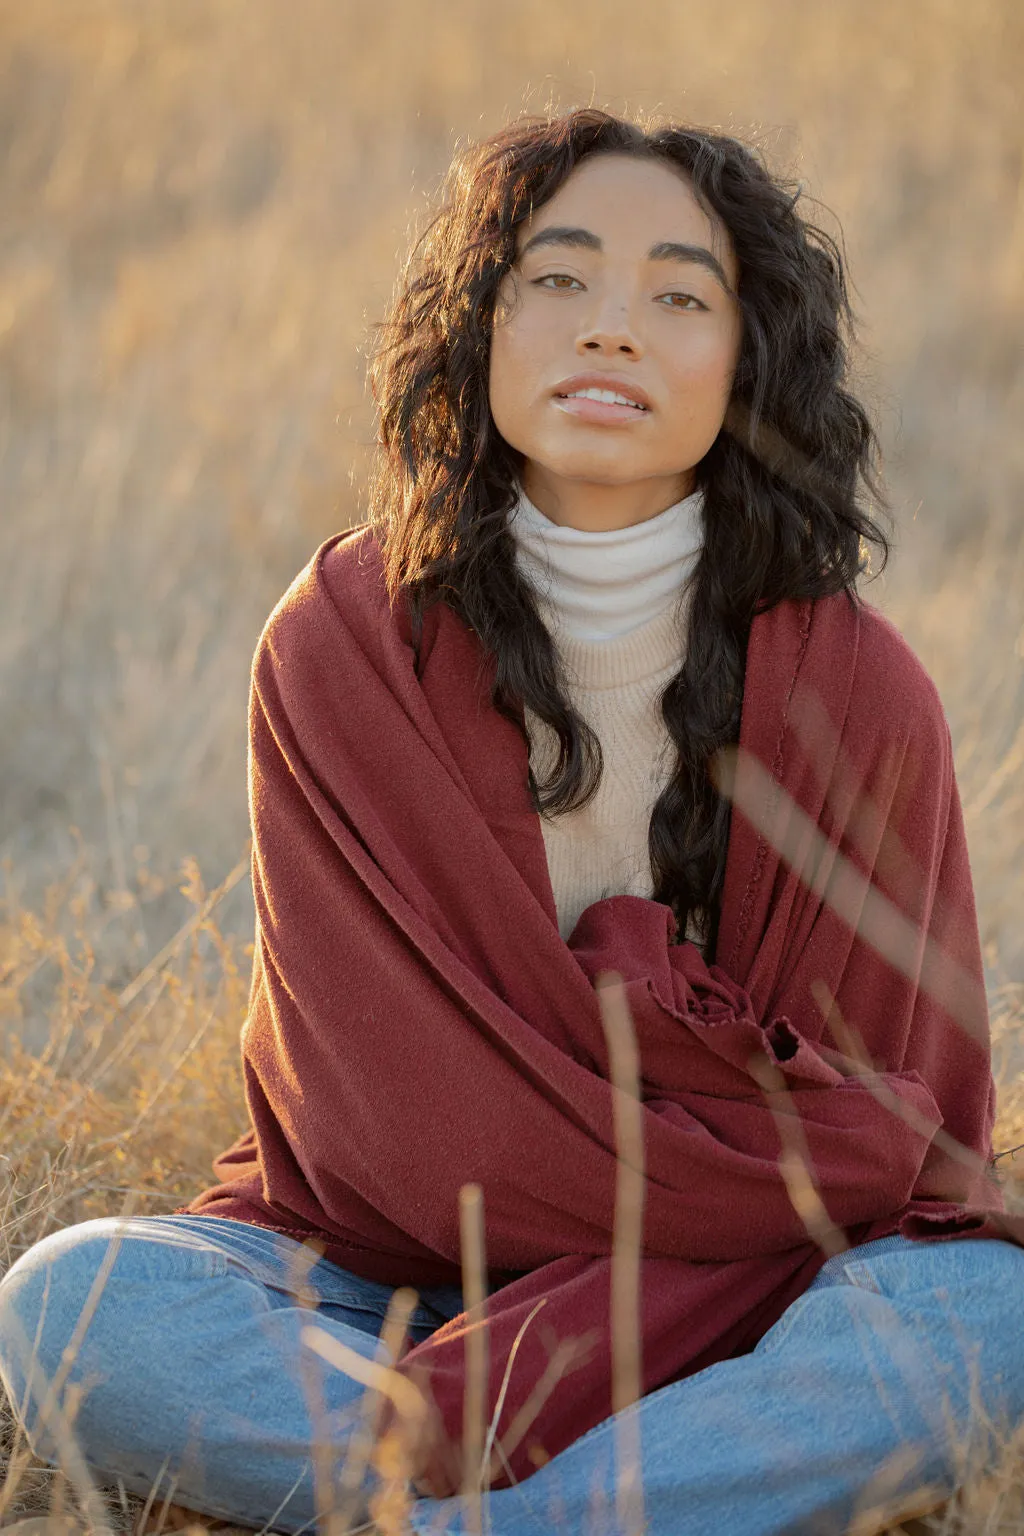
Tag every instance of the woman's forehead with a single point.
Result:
(625, 200)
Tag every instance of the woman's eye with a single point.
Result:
(560, 281)
(692, 299)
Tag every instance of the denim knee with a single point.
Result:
(42, 1297)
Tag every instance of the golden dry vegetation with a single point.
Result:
(204, 207)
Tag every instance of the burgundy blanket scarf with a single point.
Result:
(417, 1023)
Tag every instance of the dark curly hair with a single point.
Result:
(783, 482)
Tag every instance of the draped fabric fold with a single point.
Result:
(416, 1022)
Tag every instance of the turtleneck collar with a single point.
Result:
(598, 586)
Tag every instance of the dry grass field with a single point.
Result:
(203, 210)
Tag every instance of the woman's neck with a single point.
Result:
(597, 508)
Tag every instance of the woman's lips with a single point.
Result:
(601, 411)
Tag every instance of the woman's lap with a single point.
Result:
(783, 1439)
(210, 1376)
(861, 1395)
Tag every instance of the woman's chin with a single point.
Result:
(591, 467)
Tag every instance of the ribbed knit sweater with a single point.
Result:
(615, 603)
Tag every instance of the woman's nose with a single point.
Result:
(610, 327)
(604, 343)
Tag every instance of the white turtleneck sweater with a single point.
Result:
(616, 605)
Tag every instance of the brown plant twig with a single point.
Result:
(494, 1462)
(359, 1451)
(795, 1158)
(741, 778)
(141, 1522)
(300, 1263)
(474, 1413)
(171, 948)
(854, 1055)
(627, 1246)
(391, 1454)
(564, 1356)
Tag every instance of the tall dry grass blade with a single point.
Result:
(74, 1392)
(883, 1514)
(157, 1093)
(19, 1460)
(129, 1038)
(392, 1454)
(742, 779)
(52, 1414)
(142, 1521)
(795, 1158)
(565, 1354)
(474, 1295)
(270, 1525)
(361, 1442)
(494, 1461)
(165, 1508)
(37, 1068)
(171, 948)
(321, 1449)
(856, 1057)
(627, 1247)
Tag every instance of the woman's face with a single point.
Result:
(621, 276)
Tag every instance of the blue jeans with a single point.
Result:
(896, 1364)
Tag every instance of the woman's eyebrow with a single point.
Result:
(665, 250)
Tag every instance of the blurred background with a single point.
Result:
(204, 209)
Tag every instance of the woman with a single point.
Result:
(594, 677)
